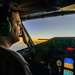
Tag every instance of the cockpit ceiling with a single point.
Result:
(39, 7)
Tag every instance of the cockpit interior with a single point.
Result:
(56, 56)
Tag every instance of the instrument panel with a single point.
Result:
(54, 57)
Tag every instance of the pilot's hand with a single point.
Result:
(24, 36)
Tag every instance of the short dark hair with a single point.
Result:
(6, 12)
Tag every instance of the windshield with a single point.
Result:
(42, 29)
(46, 28)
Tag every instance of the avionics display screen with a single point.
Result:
(68, 63)
(67, 72)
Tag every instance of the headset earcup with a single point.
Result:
(5, 28)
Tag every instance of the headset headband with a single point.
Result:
(11, 5)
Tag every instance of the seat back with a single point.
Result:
(12, 63)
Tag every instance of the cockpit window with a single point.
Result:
(46, 28)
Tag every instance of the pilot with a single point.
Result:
(11, 63)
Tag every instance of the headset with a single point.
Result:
(5, 24)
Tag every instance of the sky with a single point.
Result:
(51, 27)
(46, 28)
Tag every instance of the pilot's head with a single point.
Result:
(15, 26)
(10, 25)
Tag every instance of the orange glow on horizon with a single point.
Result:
(37, 41)
(34, 40)
(21, 40)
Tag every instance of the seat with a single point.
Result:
(12, 63)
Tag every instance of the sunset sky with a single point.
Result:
(47, 28)
(35, 40)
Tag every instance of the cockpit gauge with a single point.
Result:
(59, 63)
